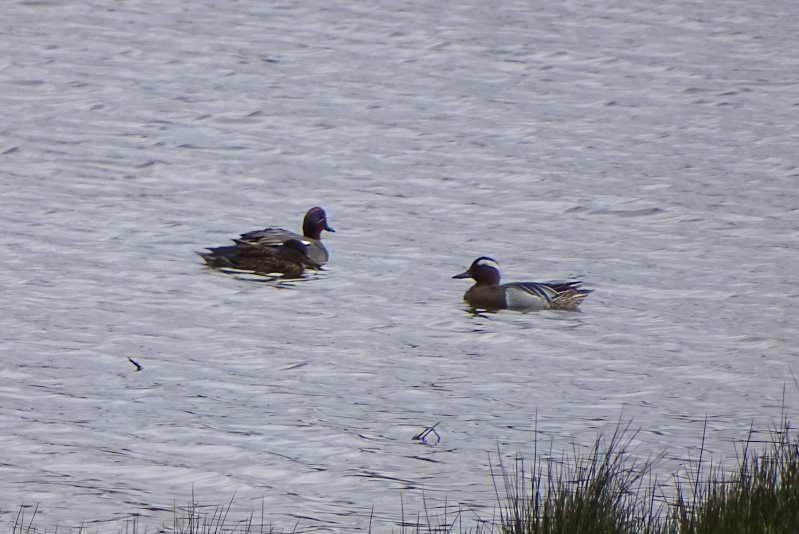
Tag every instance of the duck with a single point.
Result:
(313, 224)
(488, 294)
(290, 258)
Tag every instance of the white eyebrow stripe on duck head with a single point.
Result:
(487, 262)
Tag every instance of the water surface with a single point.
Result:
(650, 151)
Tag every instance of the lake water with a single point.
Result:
(650, 150)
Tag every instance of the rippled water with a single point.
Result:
(650, 151)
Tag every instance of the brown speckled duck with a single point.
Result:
(289, 259)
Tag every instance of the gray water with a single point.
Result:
(649, 150)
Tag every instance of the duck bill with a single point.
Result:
(311, 264)
(327, 227)
(467, 274)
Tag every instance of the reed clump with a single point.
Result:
(609, 492)
(762, 495)
(601, 492)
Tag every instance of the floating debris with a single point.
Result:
(423, 435)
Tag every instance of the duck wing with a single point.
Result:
(270, 237)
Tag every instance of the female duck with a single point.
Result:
(488, 294)
(290, 258)
(312, 226)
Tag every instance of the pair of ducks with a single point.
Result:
(275, 250)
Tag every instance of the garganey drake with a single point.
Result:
(488, 294)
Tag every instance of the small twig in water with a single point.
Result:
(137, 364)
(422, 436)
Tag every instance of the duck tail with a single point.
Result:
(570, 299)
(220, 257)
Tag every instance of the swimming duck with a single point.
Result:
(290, 258)
(487, 293)
(315, 221)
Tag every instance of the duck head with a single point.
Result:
(483, 270)
(315, 221)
